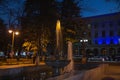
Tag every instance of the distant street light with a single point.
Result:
(83, 42)
(13, 36)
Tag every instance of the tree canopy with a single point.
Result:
(37, 19)
(40, 20)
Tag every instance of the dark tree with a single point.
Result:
(70, 9)
(39, 22)
(11, 12)
(3, 36)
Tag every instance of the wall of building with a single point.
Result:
(104, 35)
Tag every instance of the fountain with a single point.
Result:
(59, 61)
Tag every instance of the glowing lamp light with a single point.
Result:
(17, 33)
(84, 40)
(10, 31)
(13, 35)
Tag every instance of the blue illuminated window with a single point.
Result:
(108, 41)
(100, 41)
(115, 41)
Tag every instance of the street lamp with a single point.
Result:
(83, 41)
(13, 36)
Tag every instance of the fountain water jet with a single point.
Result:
(60, 61)
(59, 42)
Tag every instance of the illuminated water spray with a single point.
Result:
(59, 47)
(60, 61)
(59, 40)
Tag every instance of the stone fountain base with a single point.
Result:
(57, 65)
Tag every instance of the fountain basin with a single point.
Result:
(57, 65)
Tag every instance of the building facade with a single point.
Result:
(104, 36)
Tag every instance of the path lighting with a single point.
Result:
(13, 36)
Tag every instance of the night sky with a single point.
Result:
(98, 7)
(90, 8)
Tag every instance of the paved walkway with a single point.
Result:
(19, 65)
(103, 72)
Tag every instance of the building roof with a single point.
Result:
(105, 17)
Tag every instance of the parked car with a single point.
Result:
(95, 59)
(117, 58)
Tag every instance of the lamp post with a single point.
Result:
(13, 36)
(83, 41)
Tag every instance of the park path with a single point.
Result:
(19, 65)
(103, 72)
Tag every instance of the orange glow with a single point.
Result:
(17, 33)
(10, 31)
(58, 25)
